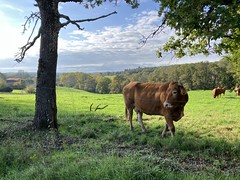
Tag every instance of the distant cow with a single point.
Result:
(166, 99)
(237, 90)
(218, 91)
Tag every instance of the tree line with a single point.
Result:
(196, 76)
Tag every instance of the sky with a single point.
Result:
(106, 45)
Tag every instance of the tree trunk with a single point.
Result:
(45, 107)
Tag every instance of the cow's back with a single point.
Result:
(145, 97)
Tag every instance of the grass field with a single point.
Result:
(99, 145)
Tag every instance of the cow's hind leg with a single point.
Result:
(165, 130)
(130, 115)
(139, 117)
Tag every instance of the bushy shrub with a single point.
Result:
(30, 90)
(19, 85)
(6, 89)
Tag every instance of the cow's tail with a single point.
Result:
(126, 113)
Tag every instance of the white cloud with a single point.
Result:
(11, 40)
(11, 32)
(112, 48)
(112, 38)
(117, 47)
(10, 7)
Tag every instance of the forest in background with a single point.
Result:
(195, 76)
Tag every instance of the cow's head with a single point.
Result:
(176, 96)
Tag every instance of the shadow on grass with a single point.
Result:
(115, 131)
(231, 97)
(97, 139)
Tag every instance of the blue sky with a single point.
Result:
(110, 44)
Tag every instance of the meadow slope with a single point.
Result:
(99, 145)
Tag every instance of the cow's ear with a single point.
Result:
(180, 84)
(183, 91)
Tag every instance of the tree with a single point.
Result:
(102, 86)
(235, 61)
(19, 85)
(3, 83)
(186, 72)
(68, 79)
(4, 87)
(2, 76)
(117, 84)
(86, 82)
(45, 107)
(202, 26)
(159, 75)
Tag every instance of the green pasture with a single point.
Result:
(99, 144)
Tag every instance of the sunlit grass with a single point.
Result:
(216, 118)
(93, 144)
(204, 115)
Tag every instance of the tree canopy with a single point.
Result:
(203, 26)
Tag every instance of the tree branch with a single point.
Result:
(98, 107)
(90, 108)
(158, 30)
(36, 16)
(20, 56)
(64, 1)
(75, 22)
(33, 17)
(87, 4)
(69, 21)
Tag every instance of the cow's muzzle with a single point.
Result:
(167, 105)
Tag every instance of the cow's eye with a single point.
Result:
(174, 92)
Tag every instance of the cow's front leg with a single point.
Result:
(139, 117)
(169, 126)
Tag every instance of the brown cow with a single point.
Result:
(218, 91)
(237, 90)
(166, 99)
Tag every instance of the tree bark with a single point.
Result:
(45, 107)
